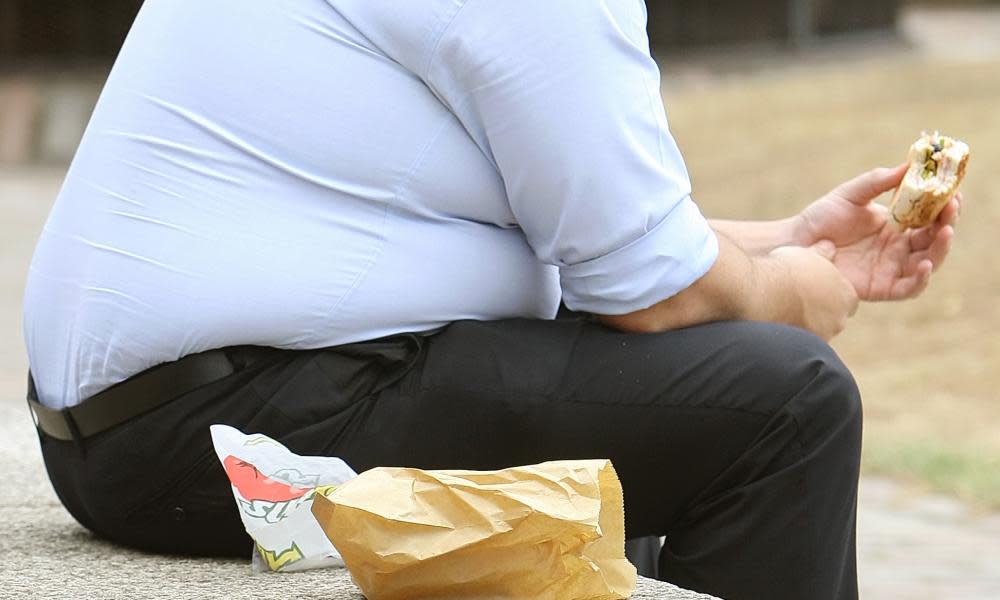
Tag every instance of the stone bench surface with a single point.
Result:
(59, 559)
(646, 589)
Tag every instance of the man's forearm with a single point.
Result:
(758, 237)
(738, 286)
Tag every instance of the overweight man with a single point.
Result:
(349, 225)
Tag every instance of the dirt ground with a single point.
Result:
(762, 142)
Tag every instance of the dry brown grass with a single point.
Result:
(761, 146)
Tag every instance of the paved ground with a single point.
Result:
(911, 546)
(924, 547)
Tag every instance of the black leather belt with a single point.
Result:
(129, 399)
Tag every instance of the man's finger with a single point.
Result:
(913, 284)
(922, 238)
(866, 187)
(949, 214)
(935, 252)
(855, 301)
(941, 246)
(825, 248)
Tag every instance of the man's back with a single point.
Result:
(264, 174)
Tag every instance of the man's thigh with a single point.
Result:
(672, 411)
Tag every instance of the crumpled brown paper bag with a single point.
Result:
(553, 531)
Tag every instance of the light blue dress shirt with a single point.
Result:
(307, 173)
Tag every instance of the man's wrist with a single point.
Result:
(757, 238)
(775, 296)
(797, 231)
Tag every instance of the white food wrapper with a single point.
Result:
(274, 489)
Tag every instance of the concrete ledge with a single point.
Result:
(56, 558)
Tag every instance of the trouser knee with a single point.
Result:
(813, 400)
(827, 405)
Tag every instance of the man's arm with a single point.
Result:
(881, 261)
(796, 286)
(759, 237)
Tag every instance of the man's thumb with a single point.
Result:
(825, 248)
(866, 187)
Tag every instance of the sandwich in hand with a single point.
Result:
(937, 166)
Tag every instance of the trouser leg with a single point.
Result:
(738, 441)
(780, 519)
(644, 553)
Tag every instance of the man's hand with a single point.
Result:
(827, 298)
(881, 262)
(781, 271)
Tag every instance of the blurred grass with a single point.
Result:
(762, 146)
(968, 473)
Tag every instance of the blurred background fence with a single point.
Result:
(55, 53)
(695, 23)
(36, 32)
(70, 30)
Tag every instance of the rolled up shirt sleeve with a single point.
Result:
(563, 97)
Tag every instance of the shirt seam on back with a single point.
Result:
(407, 177)
(650, 98)
(445, 28)
(368, 266)
(394, 204)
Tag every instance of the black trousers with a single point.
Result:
(738, 441)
